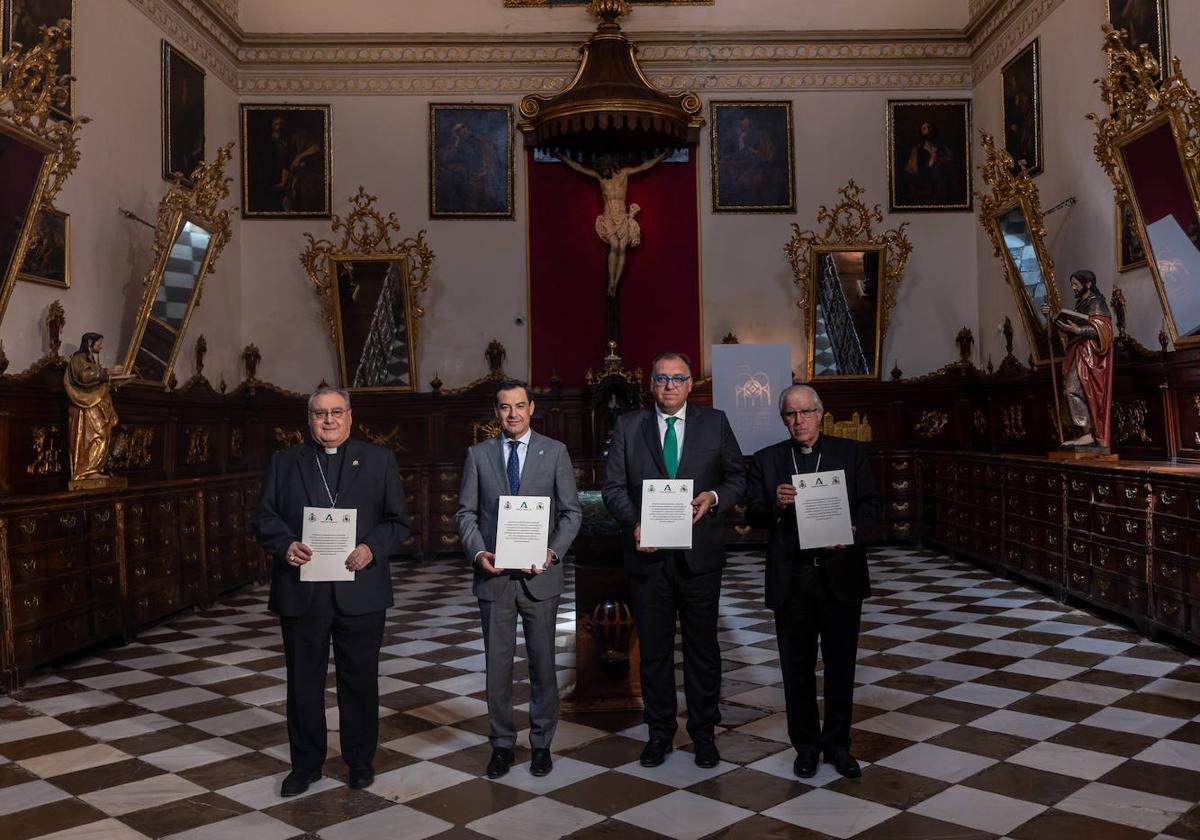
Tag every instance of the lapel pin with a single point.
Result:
(354, 463)
(541, 451)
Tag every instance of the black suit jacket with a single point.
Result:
(845, 570)
(710, 457)
(370, 483)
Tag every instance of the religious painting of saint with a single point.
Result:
(929, 154)
(1144, 22)
(287, 162)
(470, 162)
(1022, 103)
(751, 153)
(1130, 253)
(23, 21)
(48, 250)
(182, 114)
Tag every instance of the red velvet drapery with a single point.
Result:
(660, 289)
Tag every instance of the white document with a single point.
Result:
(667, 513)
(522, 532)
(331, 534)
(823, 509)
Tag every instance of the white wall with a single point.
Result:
(484, 16)
(1083, 236)
(121, 166)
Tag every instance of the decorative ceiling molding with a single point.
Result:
(323, 64)
(471, 82)
(1011, 23)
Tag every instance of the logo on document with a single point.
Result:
(524, 505)
(667, 488)
(329, 517)
(345, 517)
(312, 517)
(508, 505)
(802, 484)
(836, 480)
(819, 483)
(541, 505)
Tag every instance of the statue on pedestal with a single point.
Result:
(91, 416)
(1087, 366)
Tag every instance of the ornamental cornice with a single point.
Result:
(182, 32)
(702, 79)
(1015, 22)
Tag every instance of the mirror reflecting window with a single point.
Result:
(23, 165)
(1169, 222)
(374, 322)
(844, 338)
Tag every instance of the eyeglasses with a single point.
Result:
(335, 413)
(803, 413)
(660, 380)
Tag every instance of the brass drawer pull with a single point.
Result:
(449, 539)
(32, 602)
(137, 510)
(1130, 493)
(28, 526)
(1131, 527)
(102, 549)
(1170, 609)
(446, 518)
(1168, 535)
(742, 530)
(900, 484)
(1052, 568)
(448, 499)
(106, 581)
(739, 509)
(68, 520)
(1103, 490)
(140, 572)
(139, 541)
(1166, 498)
(1030, 478)
(102, 515)
(1076, 485)
(447, 476)
(29, 564)
(1078, 547)
(1167, 571)
(1079, 516)
(1077, 579)
(1104, 587)
(903, 527)
(1131, 563)
(900, 466)
(900, 507)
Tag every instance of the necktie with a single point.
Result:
(671, 448)
(514, 467)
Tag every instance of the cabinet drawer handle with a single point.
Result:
(742, 530)
(1077, 579)
(1166, 606)
(140, 572)
(139, 541)
(903, 527)
(1131, 528)
(448, 539)
(137, 510)
(447, 476)
(900, 466)
(144, 603)
(900, 484)
(68, 520)
(1130, 493)
(900, 507)
(1167, 570)
(1168, 535)
(1131, 563)
(1078, 516)
(1103, 490)
(1076, 485)
(1030, 478)
(106, 581)
(1052, 568)
(446, 518)
(1166, 498)
(103, 515)
(29, 564)
(28, 526)
(165, 507)
(1104, 587)
(102, 549)
(32, 602)
(447, 499)
(1078, 547)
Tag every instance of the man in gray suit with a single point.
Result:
(518, 461)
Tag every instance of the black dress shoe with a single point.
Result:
(361, 778)
(296, 782)
(805, 765)
(843, 762)
(501, 760)
(540, 764)
(655, 752)
(706, 754)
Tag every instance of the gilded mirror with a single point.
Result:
(1148, 147)
(188, 238)
(37, 152)
(848, 278)
(1012, 216)
(369, 287)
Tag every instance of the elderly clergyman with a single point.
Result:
(815, 594)
(332, 471)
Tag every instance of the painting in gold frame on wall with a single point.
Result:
(929, 155)
(1021, 83)
(751, 153)
(182, 114)
(22, 24)
(287, 161)
(470, 161)
(48, 250)
(1131, 253)
(1144, 22)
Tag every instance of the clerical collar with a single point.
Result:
(331, 450)
(808, 450)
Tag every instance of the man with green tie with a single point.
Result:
(676, 439)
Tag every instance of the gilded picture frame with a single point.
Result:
(470, 161)
(183, 114)
(362, 282)
(752, 157)
(21, 23)
(929, 155)
(25, 164)
(1021, 108)
(1144, 22)
(287, 161)
(48, 250)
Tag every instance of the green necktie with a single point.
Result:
(671, 448)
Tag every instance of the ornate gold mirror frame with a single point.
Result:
(1150, 147)
(852, 275)
(37, 152)
(189, 235)
(1012, 217)
(370, 287)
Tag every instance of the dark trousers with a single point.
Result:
(356, 643)
(668, 588)
(809, 612)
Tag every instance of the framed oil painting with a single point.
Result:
(1145, 22)
(1130, 253)
(182, 114)
(751, 153)
(22, 22)
(48, 250)
(929, 155)
(470, 161)
(1022, 108)
(287, 161)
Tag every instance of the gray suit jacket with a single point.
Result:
(547, 472)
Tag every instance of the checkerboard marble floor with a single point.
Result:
(984, 710)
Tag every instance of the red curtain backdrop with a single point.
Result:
(660, 289)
